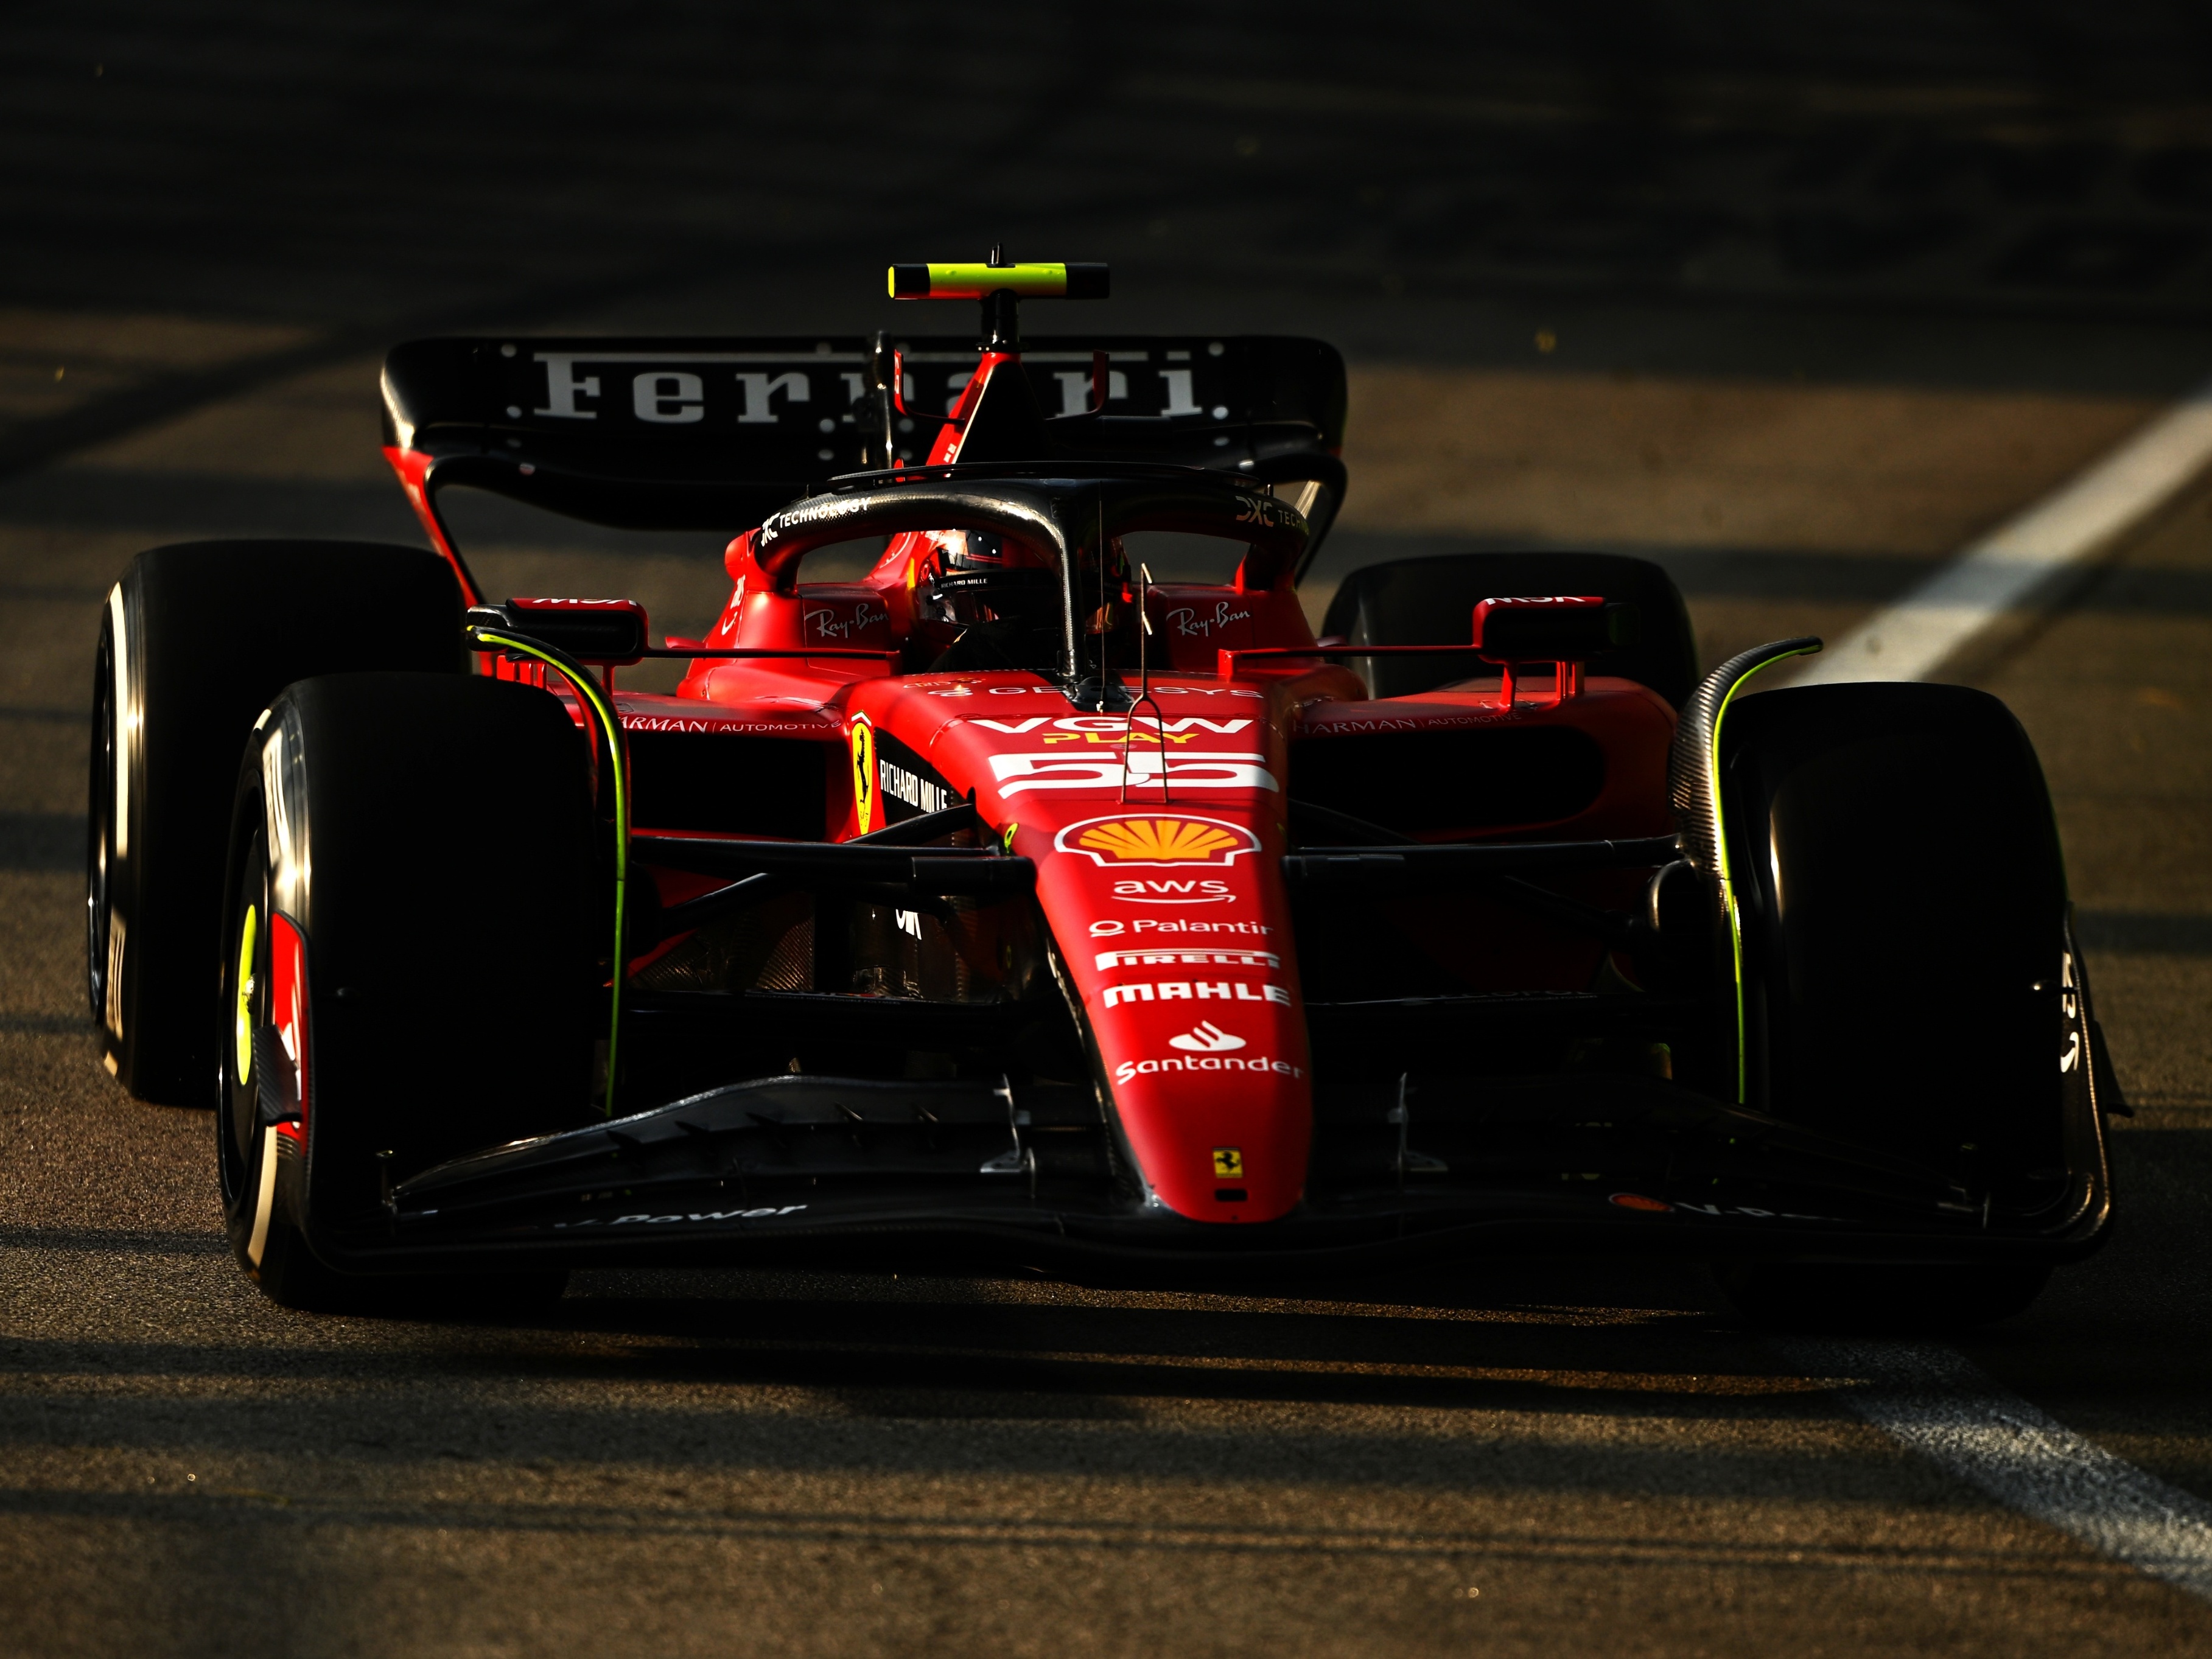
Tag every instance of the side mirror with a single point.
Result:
(608, 632)
(1559, 629)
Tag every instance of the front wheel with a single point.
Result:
(407, 971)
(261, 1134)
(1907, 975)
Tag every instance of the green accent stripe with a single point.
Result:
(974, 281)
(1721, 856)
(587, 689)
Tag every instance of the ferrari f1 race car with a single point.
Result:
(1011, 903)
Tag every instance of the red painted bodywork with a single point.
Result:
(287, 1013)
(1158, 838)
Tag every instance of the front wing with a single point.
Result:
(868, 1172)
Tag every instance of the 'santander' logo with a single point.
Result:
(1207, 1038)
(1157, 839)
(1130, 1070)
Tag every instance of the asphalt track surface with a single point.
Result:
(1824, 301)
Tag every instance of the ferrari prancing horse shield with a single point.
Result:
(863, 772)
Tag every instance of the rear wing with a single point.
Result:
(717, 434)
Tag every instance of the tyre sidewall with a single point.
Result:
(260, 1168)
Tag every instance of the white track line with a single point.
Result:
(2014, 566)
(1940, 1405)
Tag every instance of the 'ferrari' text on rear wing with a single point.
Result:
(718, 433)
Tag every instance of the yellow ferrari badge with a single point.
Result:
(863, 772)
(1228, 1164)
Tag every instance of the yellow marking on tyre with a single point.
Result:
(246, 936)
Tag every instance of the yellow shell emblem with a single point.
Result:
(1160, 840)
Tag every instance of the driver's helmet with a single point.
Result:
(971, 576)
(972, 549)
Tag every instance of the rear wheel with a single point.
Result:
(409, 969)
(1431, 601)
(196, 641)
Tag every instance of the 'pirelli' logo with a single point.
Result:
(1188, 957)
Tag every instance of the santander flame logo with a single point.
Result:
(1157, 839)
(1205, 1038)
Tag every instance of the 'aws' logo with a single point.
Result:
(1171, 890)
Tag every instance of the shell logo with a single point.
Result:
(1156, 838)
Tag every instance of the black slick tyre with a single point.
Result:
(1908, 980)
(1430, 601)
(195, 640)
(1904, 915)
(411, 906)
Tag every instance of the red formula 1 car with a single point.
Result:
(1009, 903)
